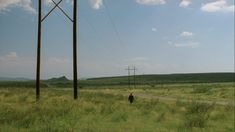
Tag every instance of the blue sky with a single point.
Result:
(156, 36)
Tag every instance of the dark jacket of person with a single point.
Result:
(131, 98)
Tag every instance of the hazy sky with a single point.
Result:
(157, 36)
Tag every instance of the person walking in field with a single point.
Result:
(131, 98)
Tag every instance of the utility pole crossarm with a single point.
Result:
(62, 11)
(50, 11)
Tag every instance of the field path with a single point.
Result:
(166, 98)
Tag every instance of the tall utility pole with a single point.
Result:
(38, 50)
(75, 49)
(74, 21)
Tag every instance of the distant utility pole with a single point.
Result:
(134, 77)
(129, 81)
(129, 76)
(74, 21)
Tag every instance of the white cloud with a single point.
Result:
(185, 3)
(217, 6)
(9, 57)
(169, 42)
(69, 2)
(148, 67)
(187, 45)
(14, 65)
(5, 5)
(54, 60)
(53, 66)
(154, 29)
(186, 34)
(96, 4)
(151, 2)
(137, 59)
(48, 2)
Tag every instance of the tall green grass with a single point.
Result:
(99, 112)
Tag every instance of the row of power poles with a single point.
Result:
(129, 69)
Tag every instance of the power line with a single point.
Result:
(58, 15)
(112, 22)
(63, 11)
(91, 26)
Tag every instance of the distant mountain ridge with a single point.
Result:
(156, 78)
(59, 79)
(150, 80)
(14, 79)
(164, 79)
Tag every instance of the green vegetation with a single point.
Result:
(197, 114)
(201, 91)
(153, 80)
(97, 110)
(20, 84)
(145, 80)
(160, 105)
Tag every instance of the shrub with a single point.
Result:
(229, 107)
(197, 114)
(161, 117)
(201, 90)
(180, 103)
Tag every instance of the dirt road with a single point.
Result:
(169, 99)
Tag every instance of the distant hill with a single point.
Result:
(60, 82)
(53, 82)
(59, 79)
(63, 82)
(14, 79)
(163, 79)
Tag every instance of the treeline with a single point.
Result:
(163, 79)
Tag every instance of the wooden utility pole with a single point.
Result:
(75, 48)
(74, 21)
(38, 51)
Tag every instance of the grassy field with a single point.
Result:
(199, 91)
(107, 110)
(176, 102)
